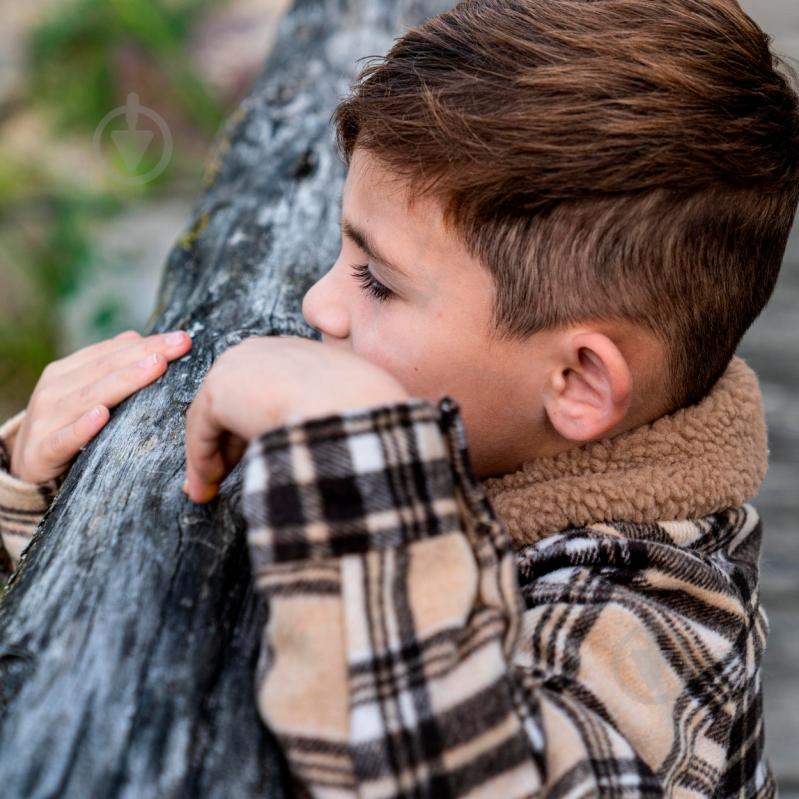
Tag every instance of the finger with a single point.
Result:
(127, 335)
(106, 356)
(169, 345)
(62, 445)
(86, 354)
(113, 388)
(205, 467)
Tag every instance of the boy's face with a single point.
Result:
(421, 310)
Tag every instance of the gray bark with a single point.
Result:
(130, 633)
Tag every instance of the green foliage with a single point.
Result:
(45, 246)
(72, 58)
(74, 79)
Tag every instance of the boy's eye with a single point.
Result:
(369, 284)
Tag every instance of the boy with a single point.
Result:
(501, 512)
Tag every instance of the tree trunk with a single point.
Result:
(130, 633)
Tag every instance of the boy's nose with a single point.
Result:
(324, 311)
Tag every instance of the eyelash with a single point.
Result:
(369, 284)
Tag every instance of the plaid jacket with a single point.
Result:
(411, 651)
(416, 648)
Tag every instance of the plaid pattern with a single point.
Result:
(22, 505)
(411, 651)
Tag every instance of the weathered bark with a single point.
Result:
(129, 636)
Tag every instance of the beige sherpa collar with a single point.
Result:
(693, 462)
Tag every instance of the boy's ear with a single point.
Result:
(590, 391)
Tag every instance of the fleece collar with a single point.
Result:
(688, 464)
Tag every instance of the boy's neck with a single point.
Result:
(688, 464)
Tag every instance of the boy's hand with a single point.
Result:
(264, 383)
(70, 403)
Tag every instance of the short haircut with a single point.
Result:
(603, 159)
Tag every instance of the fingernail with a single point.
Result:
(150, 360)
(186, 486)
(175, 339)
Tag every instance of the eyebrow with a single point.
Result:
(361, 239)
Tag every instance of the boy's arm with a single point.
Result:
(387, 665)
(384, 670)
(22, 504)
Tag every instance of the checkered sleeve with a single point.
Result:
(411, 651)
(22, 504)
(393, 600)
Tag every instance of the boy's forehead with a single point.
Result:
(370, 185)
(377, 206)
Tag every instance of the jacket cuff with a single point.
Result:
(350, 482)
(22, 504)
(12, 486)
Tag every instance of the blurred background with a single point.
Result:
(108, 109)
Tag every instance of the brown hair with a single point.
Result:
(603, 159)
